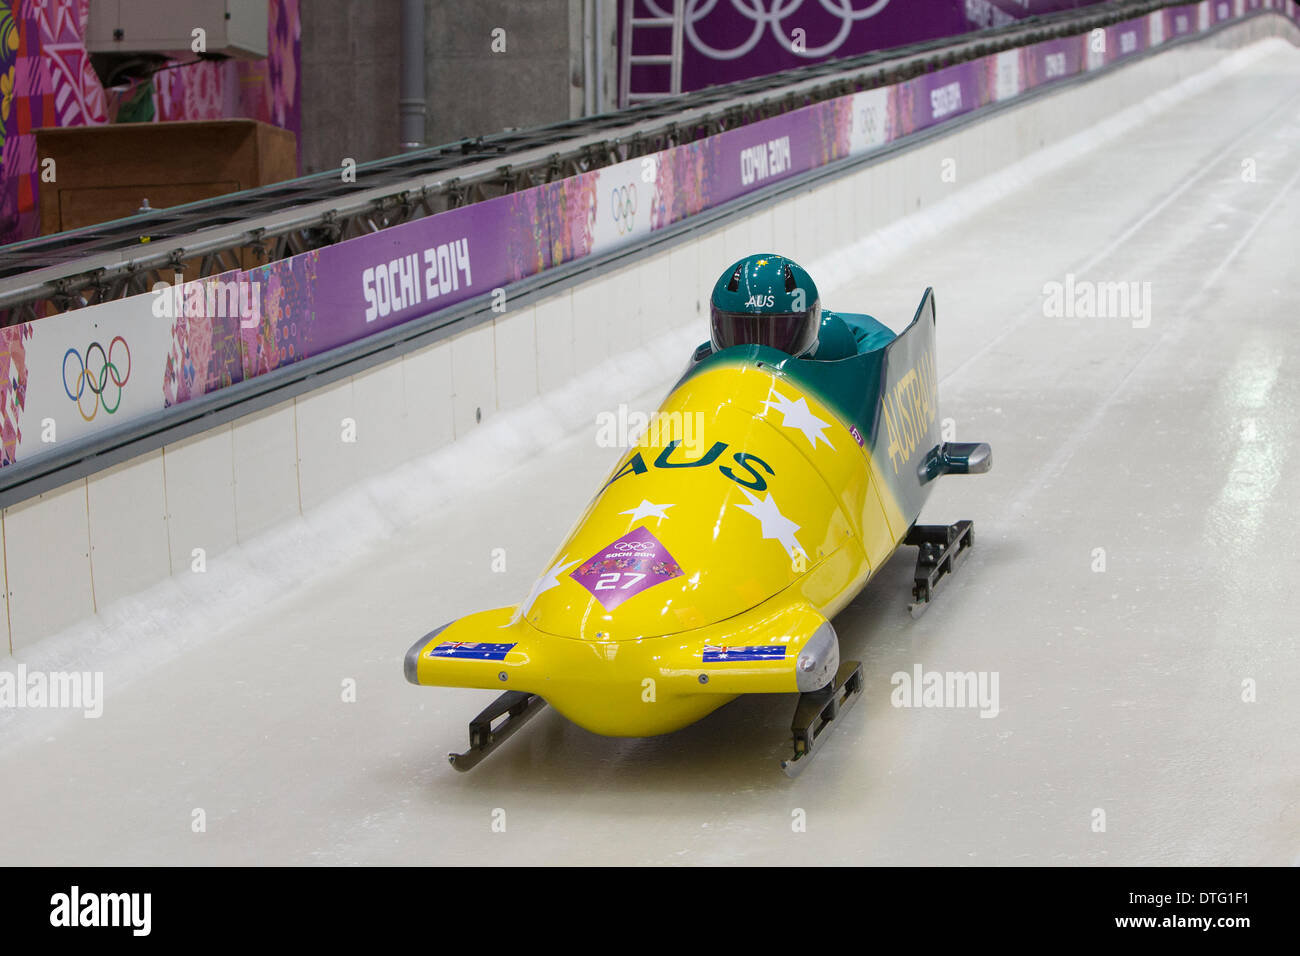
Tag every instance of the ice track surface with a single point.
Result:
(1171, 447)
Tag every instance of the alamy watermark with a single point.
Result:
(948, 689)
(211, 298)
(625, 428)
(55, 690)
(76, 908)
(1085, 299)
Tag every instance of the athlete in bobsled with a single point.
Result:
(704, 572)
(771, 301)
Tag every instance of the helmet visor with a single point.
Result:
(791, 332)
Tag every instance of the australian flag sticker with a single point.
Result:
(471, 651)
(765, 652)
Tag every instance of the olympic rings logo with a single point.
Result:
(94, 374)
(623, 207)
(770, 16)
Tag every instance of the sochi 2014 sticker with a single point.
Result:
(466, 650)
(626, 567)
(714, 654)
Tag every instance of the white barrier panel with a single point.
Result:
(266, 469)
(47, 563)
(127, 505)
(200, 477)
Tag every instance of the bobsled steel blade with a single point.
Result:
(817, 712)
(941, 550)
(516, 706)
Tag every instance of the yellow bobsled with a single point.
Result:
(764, 494)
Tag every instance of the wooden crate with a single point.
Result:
(106, 172)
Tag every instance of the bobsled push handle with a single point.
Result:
(967, 458)
(956, 458)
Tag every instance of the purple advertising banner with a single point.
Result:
(287, 330)
(570, 206)
(1179, 21)
(1126, 39)
(395, 275)
(755, 155)
(206, 353)
(938, 96)
(1052, 60)
(329, 297)
(684, 183)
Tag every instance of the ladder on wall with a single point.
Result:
(641, 23)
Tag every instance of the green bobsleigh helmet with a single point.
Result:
(765, 300)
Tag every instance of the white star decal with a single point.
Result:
(647, 510)
(796, 414)
(551, 579)
(772, 522)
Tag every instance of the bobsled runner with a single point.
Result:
(712, 560)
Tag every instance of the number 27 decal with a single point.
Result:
(608, 582)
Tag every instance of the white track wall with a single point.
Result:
(72, 551)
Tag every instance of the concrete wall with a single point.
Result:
(472, 91)
(351, 55)
(73, 550)
(350, 60)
